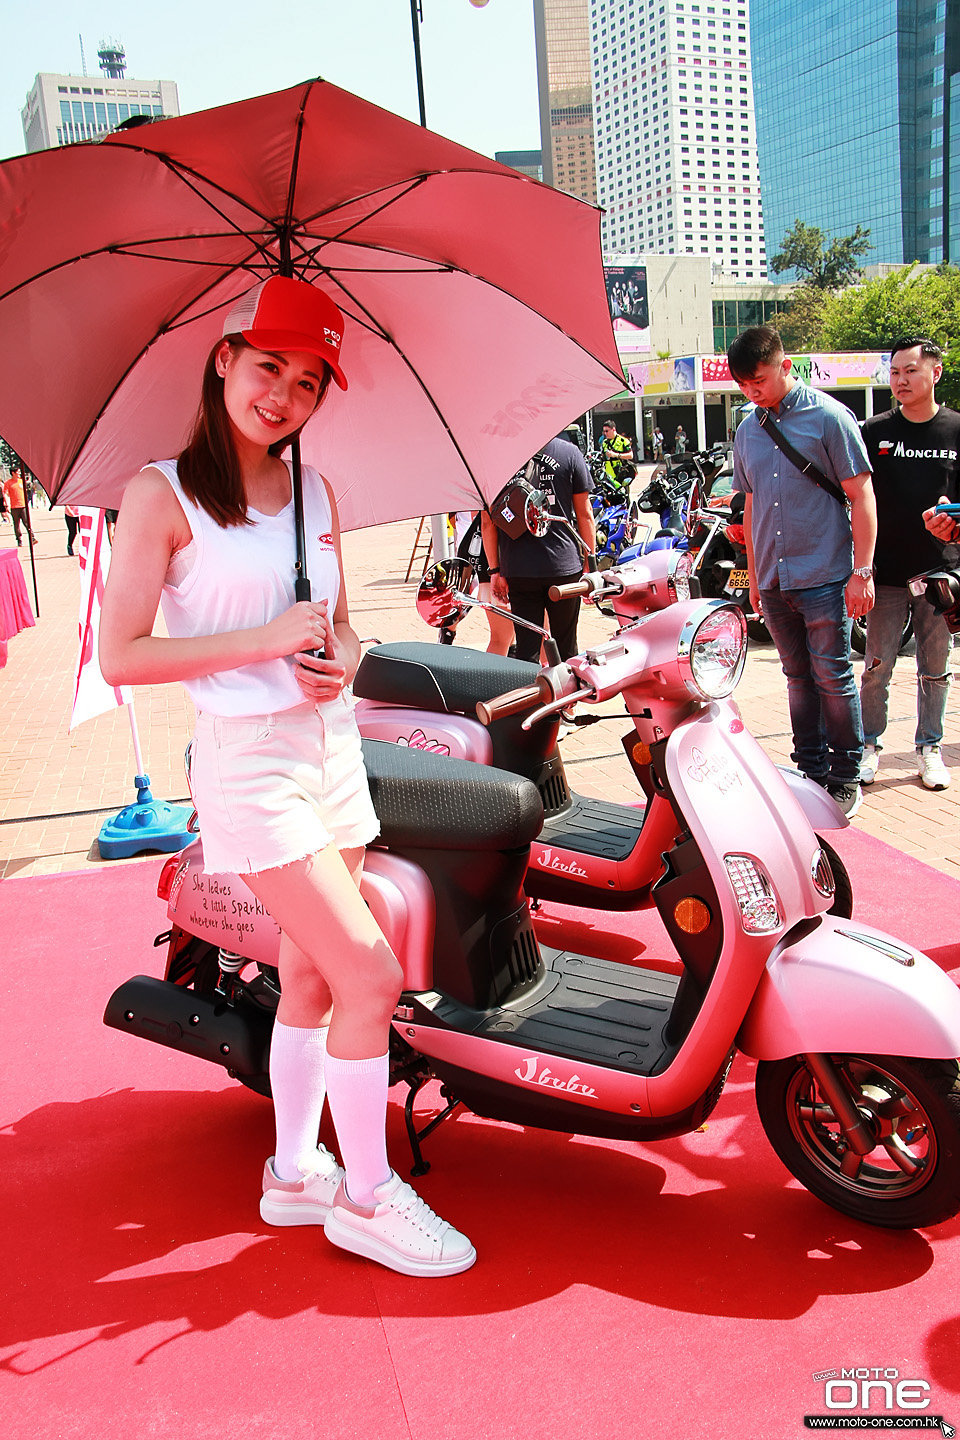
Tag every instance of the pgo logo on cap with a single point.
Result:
(331, 337)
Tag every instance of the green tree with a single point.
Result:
(826, 267)
(903, 305)
(801, 325)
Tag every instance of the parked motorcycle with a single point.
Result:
(856, 1034)
(617, 524)
(666, 494)
(590, 852)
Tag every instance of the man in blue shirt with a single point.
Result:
(810, 562)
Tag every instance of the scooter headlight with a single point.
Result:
(713, 646)
(678, 580)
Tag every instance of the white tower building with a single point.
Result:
(675, 136)
(63, 109)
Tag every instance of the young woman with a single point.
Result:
(278, 773)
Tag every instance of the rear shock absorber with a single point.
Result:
(230, 966)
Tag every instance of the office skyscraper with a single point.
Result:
(676, 146)
(63, 109)
(858, 122)
(564, 76)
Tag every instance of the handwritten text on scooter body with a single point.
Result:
(530, 1074)
(715, 768)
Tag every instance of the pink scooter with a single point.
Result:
(856, 1034)
(590, 851)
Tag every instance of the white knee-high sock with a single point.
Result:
(358, 1104)
(297, 1061)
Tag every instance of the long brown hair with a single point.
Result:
(208, 467)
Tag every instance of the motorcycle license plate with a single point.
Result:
(738, 580)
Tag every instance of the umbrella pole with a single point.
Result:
(301, 586)
(302, 583)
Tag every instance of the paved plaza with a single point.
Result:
(57, 787)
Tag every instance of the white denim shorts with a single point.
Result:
(270, 789)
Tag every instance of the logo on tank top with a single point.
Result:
(326, 542)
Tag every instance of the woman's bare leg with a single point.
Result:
(335, 953)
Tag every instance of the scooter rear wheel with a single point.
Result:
(912, 1107)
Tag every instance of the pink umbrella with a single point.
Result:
(476, 320)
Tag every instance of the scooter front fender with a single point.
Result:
(821, 809)
(845, 988)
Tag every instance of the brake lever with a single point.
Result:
(555, 705)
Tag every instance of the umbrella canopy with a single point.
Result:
(476, 319)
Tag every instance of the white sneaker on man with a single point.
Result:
(399, 1230)
(931, 769)
(869, 765)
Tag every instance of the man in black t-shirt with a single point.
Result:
(523, 570)
(913, 452)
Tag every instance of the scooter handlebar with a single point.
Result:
(569, 592)
(509, 704)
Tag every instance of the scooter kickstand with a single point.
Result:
(416, 1083)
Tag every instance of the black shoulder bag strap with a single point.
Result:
(806, 467)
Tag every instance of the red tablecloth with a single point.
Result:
(15, 612)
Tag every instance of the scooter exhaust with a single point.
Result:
(238, 1038)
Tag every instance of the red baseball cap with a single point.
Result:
(286, 314)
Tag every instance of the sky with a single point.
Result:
(479, 62)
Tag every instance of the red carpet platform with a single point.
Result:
(686, 1289)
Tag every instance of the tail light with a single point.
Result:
(165, 882)
(735, 534)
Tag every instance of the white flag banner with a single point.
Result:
(92, 695)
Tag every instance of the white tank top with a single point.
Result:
(242, 577)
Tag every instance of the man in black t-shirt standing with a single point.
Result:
(523, 570)
(913, 452)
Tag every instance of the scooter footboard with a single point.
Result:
(844, 987)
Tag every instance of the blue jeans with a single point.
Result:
(885, 624)
(811, 631)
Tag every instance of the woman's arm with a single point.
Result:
(151, 527)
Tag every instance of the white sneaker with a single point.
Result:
(931, 769)
(305, 1201)
(400, 1231)
(869, 765)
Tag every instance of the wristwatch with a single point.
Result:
(865, 572)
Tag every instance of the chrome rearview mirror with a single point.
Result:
(441, 595)
(536, 516)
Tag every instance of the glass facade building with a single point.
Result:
(564, 77)
(858, 118)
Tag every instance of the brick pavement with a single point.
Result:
(56, 788)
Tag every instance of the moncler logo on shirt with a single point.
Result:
(905, 452)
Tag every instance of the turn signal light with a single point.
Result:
(691, 915)
(641, 753)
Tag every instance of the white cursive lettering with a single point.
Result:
(530, 1075)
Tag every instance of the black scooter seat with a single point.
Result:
(435, 803)
(445, 678)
